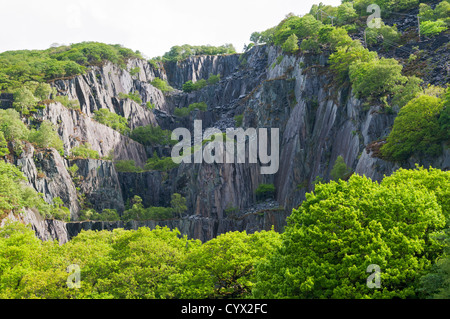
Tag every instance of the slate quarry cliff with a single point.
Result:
(317, 121)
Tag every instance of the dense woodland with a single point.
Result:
(344, 225)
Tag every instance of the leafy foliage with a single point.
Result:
(178, 53)
(344, 227)
(152, 135)
(416, 130)
(84, 151)
(185, 111)
(46, 137)
(161, 85)
(190, 86)
(340, 169)
(160, 164)
(377, 77)
(19, 67)
(132, 96)
(113, 120)
(265, 191)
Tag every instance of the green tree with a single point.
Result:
(161, 85)
(47, 137)
(84, 151)
(346, 13)
(178, 204)
(343, 228)
(416, 130)
(265, 191)
(291, 44)
(224, 266)
(376, 78)
(340, 169)
(113, 120)
(3, 145)
(345, 56)
(24, 100)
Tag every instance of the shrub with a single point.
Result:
(152, 135)
(376, 78)
(178, 204)
(238, 119)
(3, 145)
(345, 56)
(291, 44)
(190, 86)
(185, 111)
(161, 85)
(160, 164)
(12, 126)
(265, 191)
(178, 53)
(340, 169)
(135, 96)
(64, 100)
(113, 120)
(24, 100)
(430, 28)
(46, 137)
(213, 79)
(416, 130)
(84, 151)
(127, 166)
(346, 13)
(135, 71)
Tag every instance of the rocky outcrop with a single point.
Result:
(47, 173)
(45, 229)
(76, 128)
(200, 67)
(99, 182)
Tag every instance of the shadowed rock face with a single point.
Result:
(317, 121)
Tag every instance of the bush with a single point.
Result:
(152, 135)
(109, 215)
(265, 191)
(430, 28)
(132, 96)
(84, 151)
(376, 78)
(3, 145)
(113, 120)
(178, 53)
(291, 44)
(340, 169)
(344, 57)
(416, 130)
(64, 100)
(160, 164)
(185, 111)
(46, 137)
(161, 85)
(238, 119)
(127, 166)
(12, 127)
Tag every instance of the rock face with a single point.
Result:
(45, 229)
(317, 123)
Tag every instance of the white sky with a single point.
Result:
(151, 27)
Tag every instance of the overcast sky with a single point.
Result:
(151, 27)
